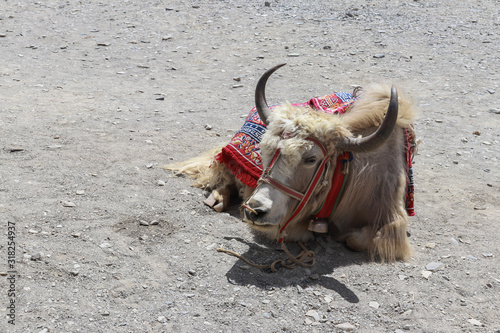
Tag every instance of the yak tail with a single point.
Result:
(204, 169)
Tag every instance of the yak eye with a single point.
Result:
(310, 160)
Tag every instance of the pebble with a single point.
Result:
(208, 127)
(345, 327)
(487, 255)
(379, 56)
(161, 319)
(374, 305)
(494, 110)
(402, 277)
(433, 266)
(105, 245)
(32, 231)
(293, 55)
(160, 182)
(313, 314)
(475, 322)
(76, 234)
(237, 85)
(36, 257)
(426, 274)
(144, 223)
(491, 91)
(328, 299)
(80, 192)
(430, 245)
(154, 222)
(68, 204)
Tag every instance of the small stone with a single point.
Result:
(267, 4)
(426, 274)
(402, 277)
(476, 133)
(491, 91)
(161, 319)
(267, 315)
(33, 231)
(105, 245)
(161, 98)
(475, 322)
(208, 127)
(36, 257)
(374, 305)
(379, 56)
(314, 277)
(293, 55)
(76, 234)
(144, 223)
(308, 321)
(80, 192)
(68, 204)
(438, 121)
(192, 272)
(494, 110)
(313, 314)
(74, 273)
(328, 299)
(160, 182)
(237, 86)
(148, 141)
(487, 255)
(345, 327)
(430, 245)
(105, 313)
(433, 266)
(190, 295)
(154, 222)
(143, 237)
(149, 165)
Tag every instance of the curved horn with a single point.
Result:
(260, 94)
(377, 138)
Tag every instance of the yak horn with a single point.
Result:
(260, 95)
(376, 139)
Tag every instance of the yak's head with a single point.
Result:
(301, 145)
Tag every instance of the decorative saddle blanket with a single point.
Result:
(242, 154)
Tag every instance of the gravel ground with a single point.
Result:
(97, 96)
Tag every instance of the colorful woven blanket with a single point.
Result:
(242, 154)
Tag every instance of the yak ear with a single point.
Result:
(260, 95)
(380, 136)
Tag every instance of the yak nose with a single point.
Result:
(253, 210)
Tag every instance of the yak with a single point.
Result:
(343, 173)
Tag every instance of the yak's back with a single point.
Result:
(369, 110)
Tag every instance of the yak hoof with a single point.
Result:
(219, 207)
(319, 226)
(210, 201)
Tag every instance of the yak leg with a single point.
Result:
(391, 242)
(360, 239)
(219, 199)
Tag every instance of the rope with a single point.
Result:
(306, 258)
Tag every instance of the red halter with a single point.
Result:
(322, 172)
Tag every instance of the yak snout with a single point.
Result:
(256, 208)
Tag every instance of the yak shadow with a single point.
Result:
(329, 255)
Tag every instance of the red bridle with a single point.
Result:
(322, 173)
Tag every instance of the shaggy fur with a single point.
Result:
(371, 215)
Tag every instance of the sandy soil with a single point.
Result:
(97, 96)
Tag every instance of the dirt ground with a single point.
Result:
(97, 96)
